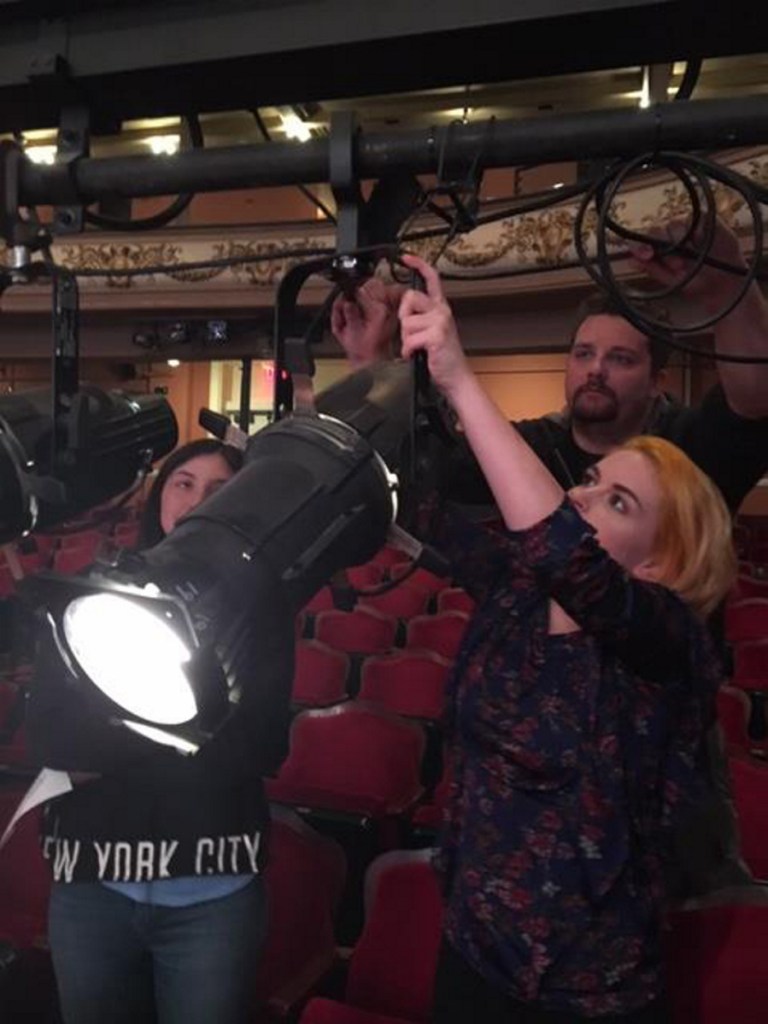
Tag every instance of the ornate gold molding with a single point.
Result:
(529, 242)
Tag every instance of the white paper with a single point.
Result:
(48, 784)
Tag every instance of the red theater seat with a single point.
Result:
(749, 784)
(320, 676)
(429, 816)
(25, 880)
(305, 876)
(410, 683)
(421, 578)
(747, 586)
(746, 620)
(362, 631)
(392, 968)
(362, 576)
(733, 712)
(387, 556)
(750, 665)
(455, 599)
(716, 965)
(441, 633)
(351, 758)
(320, 602)
(402, 601)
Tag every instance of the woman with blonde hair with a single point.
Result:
(576, 713)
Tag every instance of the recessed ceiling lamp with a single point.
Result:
(163, 145)
(293, 125)
(40, 154)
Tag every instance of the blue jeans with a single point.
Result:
(122, 962)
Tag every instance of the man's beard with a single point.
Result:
(587, 408)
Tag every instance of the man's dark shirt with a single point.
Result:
(731, 450)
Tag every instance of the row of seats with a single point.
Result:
(714, 955)
(65, 552)
(406, 682)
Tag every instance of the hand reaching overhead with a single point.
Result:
(366, 326)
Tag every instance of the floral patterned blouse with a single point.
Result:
(571, 755)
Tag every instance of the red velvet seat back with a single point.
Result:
(716, 960)
(393, 965)
(746, 620)
(362, 631)
(320, 674)
(441, 633)
(25, 879)
(304, 877)
(351, 758)
(406, 682)
(749, 784)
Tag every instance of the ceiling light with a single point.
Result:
(163, 145)
(460, 113)
(173, 363)
(41, 154)
(645, 90)
(294, 128)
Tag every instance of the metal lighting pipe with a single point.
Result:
(699, 124)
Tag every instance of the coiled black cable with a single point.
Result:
(694, 174)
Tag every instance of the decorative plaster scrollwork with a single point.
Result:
(117, 256)
(528, 242)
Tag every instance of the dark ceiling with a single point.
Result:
(129, 59)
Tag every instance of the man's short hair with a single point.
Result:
(599, 303)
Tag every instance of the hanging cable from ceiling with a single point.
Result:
(164, 217)
(695, 175)
(307, 193)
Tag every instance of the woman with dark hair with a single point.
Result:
(152, 528)
(157, 909)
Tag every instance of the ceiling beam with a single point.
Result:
(138, 59)
(692, 125)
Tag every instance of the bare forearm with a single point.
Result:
(745, 332)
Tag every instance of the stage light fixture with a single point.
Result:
(217, 332)
(57, 464)
(210, 611)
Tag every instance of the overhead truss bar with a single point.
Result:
(694, 125)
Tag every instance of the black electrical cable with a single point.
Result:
(164, 217)
(531, 204)
(689, 80)
(606, 223)
(694, 173)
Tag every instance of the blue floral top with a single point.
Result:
(571, 755)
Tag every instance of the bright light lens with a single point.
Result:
(132, 656)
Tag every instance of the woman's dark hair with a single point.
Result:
(150, 530)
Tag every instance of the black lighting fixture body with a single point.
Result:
(71, 447)
(54, 466)
(314, 496)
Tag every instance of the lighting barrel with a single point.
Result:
(54, 467)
